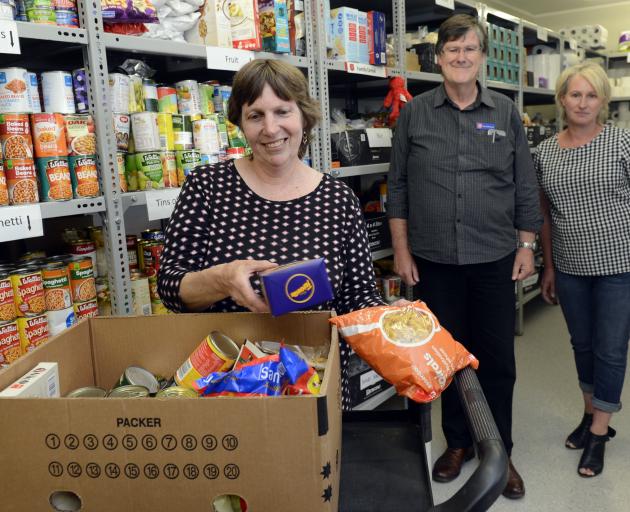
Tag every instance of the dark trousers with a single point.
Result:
(476, 304)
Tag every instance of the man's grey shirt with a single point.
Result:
(463, 179)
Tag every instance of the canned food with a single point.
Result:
(14, 95)
(15, 136)
(83, 248)
(49, 135)
(10, 346)
(167, 99)
(158, 307)
(132, 255)
(79, 84)
(222, 127)
(165, 127)
(128, 392)
(39, 4)
(65, 18)
(87, 392)
(33, 91)
(96, 235)
(151, 254)
(57, 91)
(28, 291)
(169, 169)
(216, 353)
(150, 172)
(153, 234)
(121, 129)
(138, 376)
(65, 5)
(84, 176)
(33, 332)
(80, 136)
(206, 136)
(186, 162)
(119, 93)
(188, 100)
(140, 295)
(236, 153)
(21, 181)
(177, 392)
(131, 172)
(87, 309)
(31, 256)
(209, 159)
(140, 251)
(206, 93)
(8, 12)
(56, 282)
(54, 178)
(146, 134)
(82, 281)
(43, 16)
(7, 299)
(149, 91)
(122, 177)
(136, 94)
(182, 132)
(4, 190)
(103, 298)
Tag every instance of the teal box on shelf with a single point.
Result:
(295, 286)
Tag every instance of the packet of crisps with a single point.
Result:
(407, 346)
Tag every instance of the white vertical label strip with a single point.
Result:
(542, 34)
(9, 39)
(160, 203)
(17, 222)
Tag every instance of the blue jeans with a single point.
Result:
(597, 312)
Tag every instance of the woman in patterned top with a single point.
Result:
(237, 218)
(584, 173)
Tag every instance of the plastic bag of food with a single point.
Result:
(407, 346)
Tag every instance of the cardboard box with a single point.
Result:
(245, 24)
(363, 382)
(361, 147)
(42, 381)
(379, 236)
(377, 38)
(213, 27)
(426, 57)
(274, 25)
(345, 34)
(151, 455)
(362, 27)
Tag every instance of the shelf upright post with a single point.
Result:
(521, 66)
(483, 19)
(398, 22)
(313, 39)
(95, 59)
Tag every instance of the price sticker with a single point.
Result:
(18, 222)
(542, 34)
(366, 69)
(449, 4)
(227, 58)
(9, 39)
(160, 203)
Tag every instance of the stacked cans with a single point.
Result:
(144, 263)
(62, 13)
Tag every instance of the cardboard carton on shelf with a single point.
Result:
(150, 454)
(361, 147)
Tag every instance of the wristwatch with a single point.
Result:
(528, 245)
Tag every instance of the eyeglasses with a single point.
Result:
(453, 51)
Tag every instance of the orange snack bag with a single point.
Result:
(407, 346)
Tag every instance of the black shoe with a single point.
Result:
(593, 455)
(577, 438)
(449, 464)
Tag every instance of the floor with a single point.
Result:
(547, 406)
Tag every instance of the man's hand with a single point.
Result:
(405, 267)
(523, 264)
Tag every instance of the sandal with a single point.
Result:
(593, 455)
(577, 438)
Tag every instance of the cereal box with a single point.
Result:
(245, 24)
(362, 37)
(213, 28)
(376, 38)
(345, 34)
(274, 25)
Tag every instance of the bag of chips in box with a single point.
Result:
(407, 346)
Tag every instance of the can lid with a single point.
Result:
(87, 392)
(225, 344)
(138, 376)
(177, 392)
(61, 258)
(128, 392)
(54, 264)
(25, 269)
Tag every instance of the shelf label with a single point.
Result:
(366, 69)
(160, 203)
(573, 44)
(9, 39)
(449, 4)
(542, 34)
(227, 58)
(17, 222)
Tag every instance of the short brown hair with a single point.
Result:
(595, 75)
(456, 27)
(286, 81)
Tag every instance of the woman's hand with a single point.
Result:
(235, 283)
(548, 285)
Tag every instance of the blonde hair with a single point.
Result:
(595, 75)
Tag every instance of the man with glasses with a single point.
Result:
(463, 211)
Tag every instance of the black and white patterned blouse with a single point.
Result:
(218, 219)
(588, 189)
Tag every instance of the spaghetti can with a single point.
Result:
(132, 254)
(8, 311)
(206, 136)
(128, 392)
(87, 309)
(182, 132)
(67, 18)
(87, 392)
(177, 392)
(33, 91)
(80, 249)
(82, 281)
(84, 176)
(150, 172)
(21, 181)
(54, 178)
(119, 93)
(57, 92)
(149, 90)
(138, 376)
(188, 100)
(33, 332)
(49, 135)
(80, 134)
(167, 99)
(79, 84)
(122, 127)
(131, 172)
(186, 162)
(140, 295)
(122, 176)
(146, 133)
(169, 168)
(14, 92)
(216, 353)
(56, 282)
(10, 346)
(28, 291)
(165, 128)
(4, 190)
(136, 94)
(15, 136)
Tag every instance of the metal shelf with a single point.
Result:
(29, 30)
(383, 253)
(359, 170)
(136, 198)
(73, 207)
(424, 77)
(495, 84)
(539, 90)
(620, 98)
(376, 400)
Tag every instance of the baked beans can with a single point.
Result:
(56, 282)
(150, 172)
(33, 91)
(8, 312)
(169, 168)
(136, 94)
(206, 93)
(21, 181)
(131, 172)
(146, 133)
(188, 99)
(54, 178)
(80, 134)
(122, 126)
(79, 84)
(81, 250)
(149, 91)
(122, 176)
(49, 135)
(132, 254)
(10, 346)
(153, 234)
(4, 190)
(66, 18)
(140, 295)
(57, 92)
(182, 132)
(186, 162)
(14, 92)
(177, 392)
(167, 99)
(84, 176)
(15, 136)
(85, 310)
(87, 392)
(128, 392)
(33, 332)
(119, 93)
(216, 353)
(138, 376)
(206, 136)
(165, 128)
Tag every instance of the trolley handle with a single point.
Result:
(488, 481)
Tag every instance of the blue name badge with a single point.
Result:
(485, 126)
